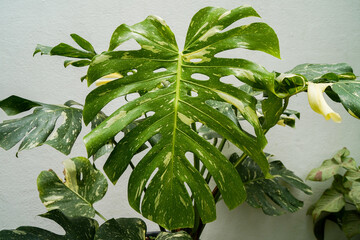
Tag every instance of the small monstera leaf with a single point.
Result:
(83, 186)
(173, 236)
(272, 195)
(41, 126)
(122, 229)
(177, 86)
(342, 85)
(76, 228)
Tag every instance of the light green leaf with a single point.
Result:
(330, 201)
(42, 49)
(77, 228)
(55, 125)
(173, 236)
(83, 186)
(122, 229)
(354, 195)
(271, 195)
(165, 79)
(327, 170)
(330, 167)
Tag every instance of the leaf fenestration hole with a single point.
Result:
(193, 94)
(149, 113)
(160, 70)
(200, 76)
(232, 80)
(81, 176)
(132, 96)
(196, 60)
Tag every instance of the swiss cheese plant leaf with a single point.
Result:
(83, 186)
(76, 228)
(55, 125)
(173, 236)
(344, 87)
(177, 86)
(122, 229)
(271, 195)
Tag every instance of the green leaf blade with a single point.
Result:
(83, 186)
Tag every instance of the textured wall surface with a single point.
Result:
(323, 31)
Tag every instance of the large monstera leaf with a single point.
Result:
(54, 125)
(177, 86)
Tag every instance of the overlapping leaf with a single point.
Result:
(170, 236)
(77, 228)
(122, 229)
(41, 126)
(81, 228)
(83, 187)
(166, 79)
(344, 88)
(272, 195)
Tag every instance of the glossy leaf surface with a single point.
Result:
(173, 236)
(78, 228)
(55, 125)
(166, 80)
(82, 187)
(344, 88)
(122, 229)
(271, 195)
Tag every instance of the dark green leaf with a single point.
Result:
(351, 223)
(14, 105)
(272, 108)
(84, 44)
(76, 63)
(77, 228)
(271, 194)
(122, 229)
(83, 186)
(38, 127)
(66, 50)
(348, 93)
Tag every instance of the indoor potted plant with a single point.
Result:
(183, 101)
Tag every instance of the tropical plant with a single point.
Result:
(340, 203)
(183, 113)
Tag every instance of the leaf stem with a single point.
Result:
(100, 215)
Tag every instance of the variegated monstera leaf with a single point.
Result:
(177, 87)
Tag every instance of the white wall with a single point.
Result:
(323, 31)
